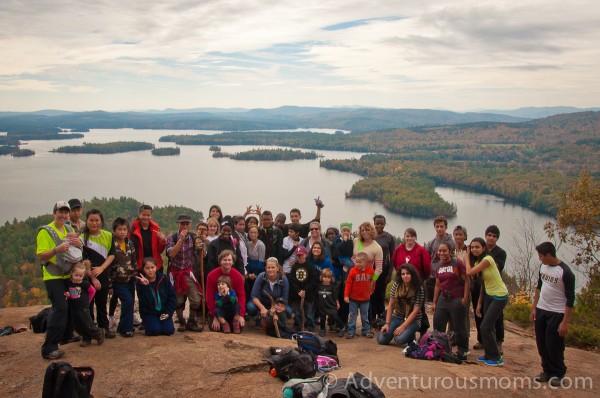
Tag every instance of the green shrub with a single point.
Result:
(583, 336)
(518, 313)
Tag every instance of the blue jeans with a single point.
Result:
(125, 293)
(363, 307)
(154, 326)
(407, 336)
(252, 309)
(309, 314)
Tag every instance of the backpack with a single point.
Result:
(311, 342)
(289, 363)
(64, 381)
(314, 387)
(39, 322)
(64, 261)
(431, 346)
(355, 386)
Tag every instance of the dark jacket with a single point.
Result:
(273, 239)
(303, 277)
(148, 294)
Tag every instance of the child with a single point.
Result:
(157, 300)
(327, 301)
(359, 287)
(80, 293)
(227, 307)
(290, 243)
(277, 314)
(303, 281)
(122, 274)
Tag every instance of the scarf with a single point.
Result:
(406, 294)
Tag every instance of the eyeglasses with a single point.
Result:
(314, 229)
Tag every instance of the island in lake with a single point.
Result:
(166, 151)
(109, 147)
(268, 154)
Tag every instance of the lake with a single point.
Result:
(194, 179)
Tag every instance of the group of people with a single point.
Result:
(254, 267)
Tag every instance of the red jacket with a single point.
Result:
(418, 256)
(237, 284)
(157, 246)
(358, 284)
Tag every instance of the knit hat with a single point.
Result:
(346, 224)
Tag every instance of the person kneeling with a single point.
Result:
(276, 321)
(157, 300)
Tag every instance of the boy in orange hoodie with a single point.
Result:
(357, 293)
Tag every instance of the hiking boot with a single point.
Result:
(542, 377)
(193, 326)
(56, 354)
(101, 336)
(500, 350)
(226, 328)
(181, 327)
(109, 334)
(478, 346)
(85, 343)
(237, 329)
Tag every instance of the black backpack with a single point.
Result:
(64, 381)
(355, 386)
(289, 363)
(313, 343)
(39, 323)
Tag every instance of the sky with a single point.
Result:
(458, 55)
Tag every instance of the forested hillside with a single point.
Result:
(20, 273)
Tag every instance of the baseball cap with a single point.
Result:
(184, 218)
(301, 250)
(75, 203)
(61, 204)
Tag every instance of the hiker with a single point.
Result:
(216, 213)
(403, 317)
(59, 328)
(410, 252)
(227, 306)
(99, 248)
(214, 229)
(75, 220)
(366, 243)
(388, 244)
(79, 294)
(122, 277)
(271, 236)
(180, 249)
(289, 245)
(357, 294)
(296, 215)
(269, 286)
(450, 298)
(277, 315)
(492, 298)
(157, 300)
(328, 302)
(226, 260)
(551, 311)
(147, 238)
(303, 280)
(315, 235)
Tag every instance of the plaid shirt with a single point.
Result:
(184, 259)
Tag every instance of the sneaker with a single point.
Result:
(368, 335)
(85, 343)
(56, 354)
(101, 336)
(478, 346)
(482, 358)
(491, 362)
(236, 327)
(126, 334)
(109, 334)
(137, 321)
(542, 377)
(341, 333)
(111, 322)
(350, 336)
(226, 328)
(322, 332)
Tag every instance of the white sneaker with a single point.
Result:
(137, 321)
(111, 322)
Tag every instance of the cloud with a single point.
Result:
(376, 53)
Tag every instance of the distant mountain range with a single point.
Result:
(239, 119)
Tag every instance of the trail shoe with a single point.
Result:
(182, 325)
(109, 334)
(56, 354)
(492, 362)
(73, 339)
(542, 377)
(193, 326)
(101, 336)
(556, 381)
